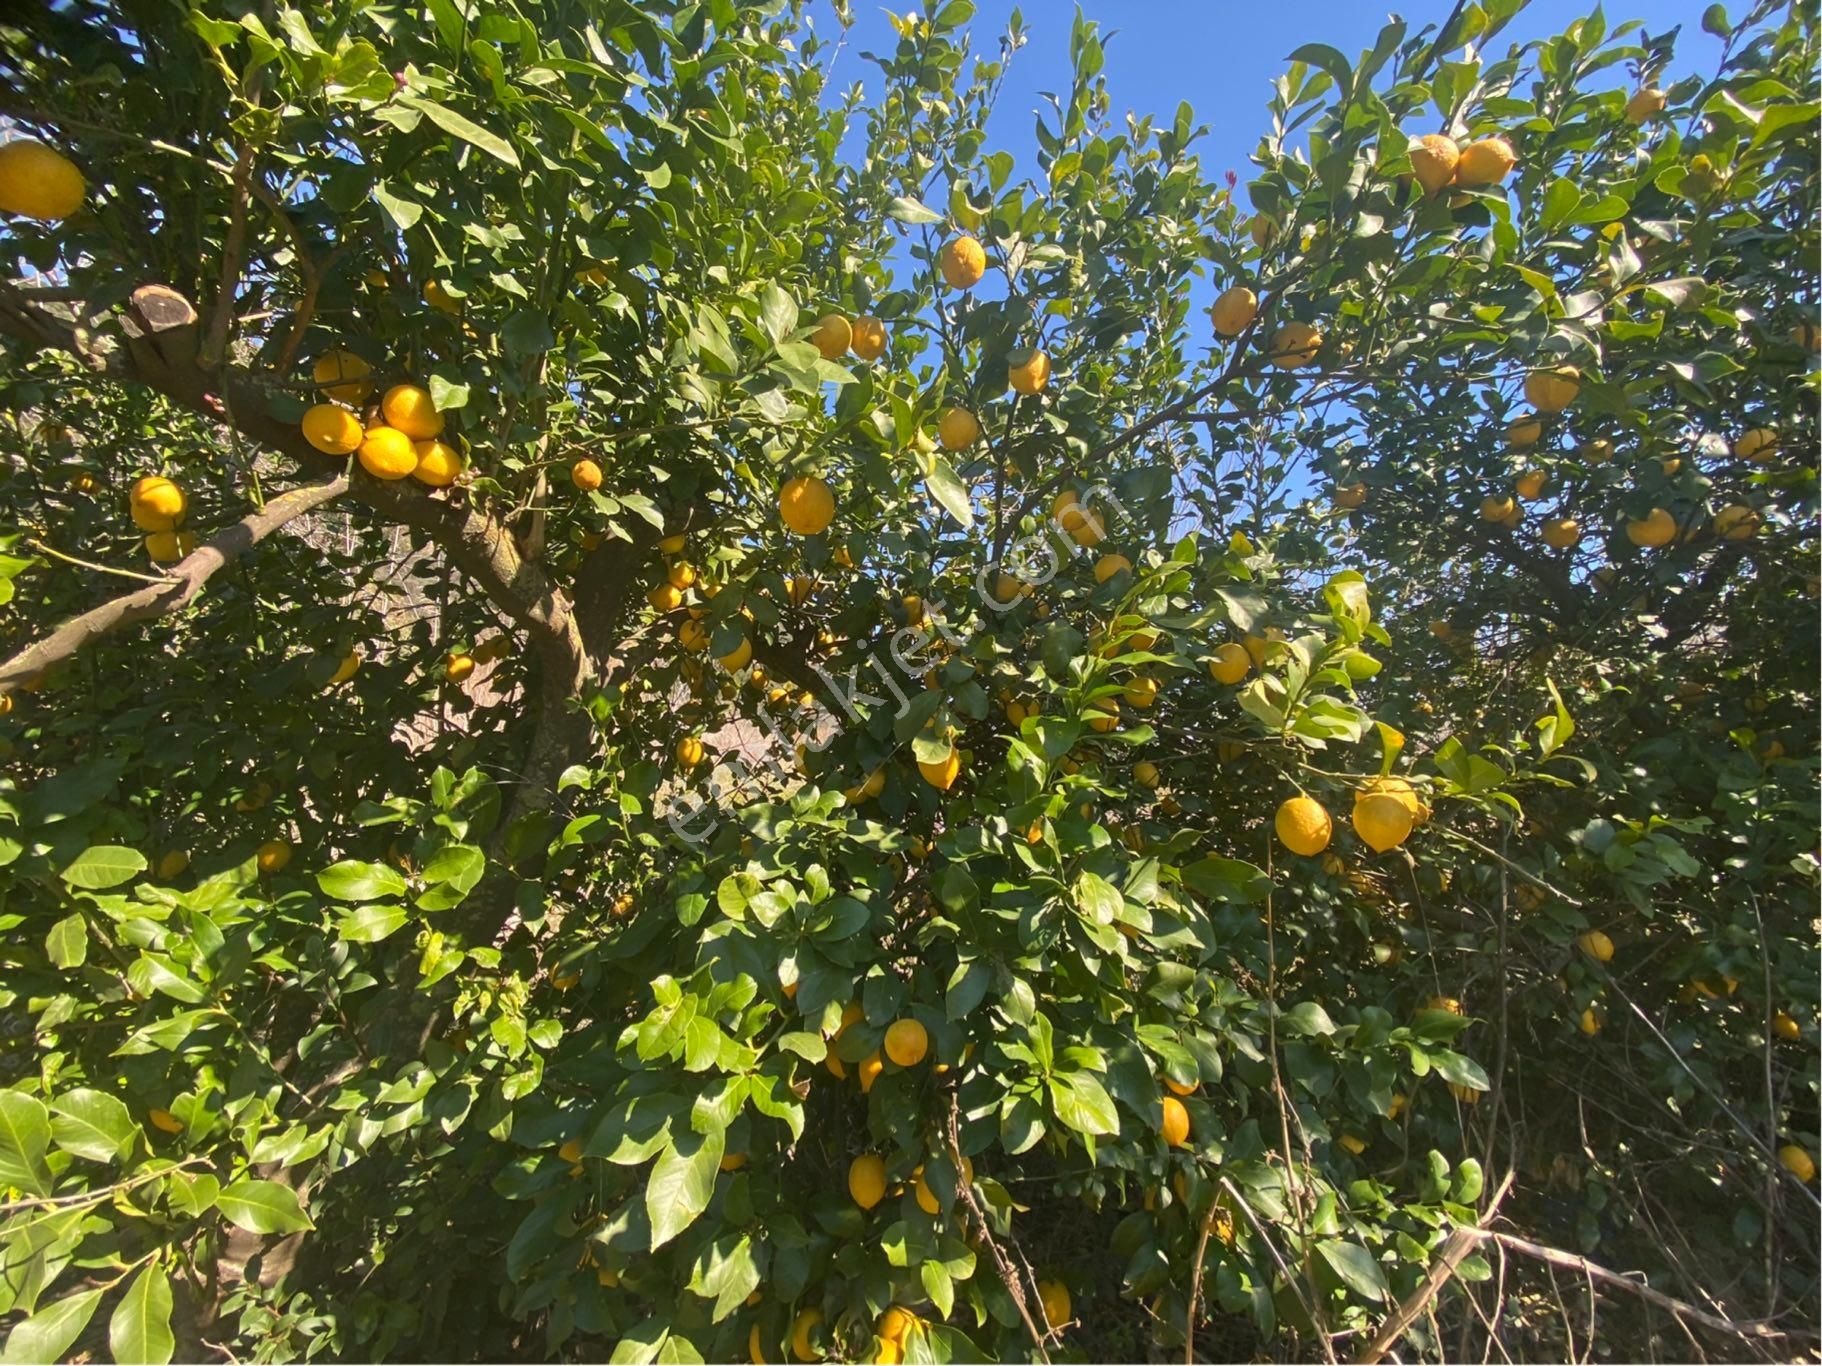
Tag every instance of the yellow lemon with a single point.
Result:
(958, 429)
(1433, 160)
(869, 341)
(1646, 104)
(671, 545)
(1797, 1162)
(1141, 692)
(1229, 663)
(1053, 1296)
(689, 752)
(870, 1068)
(1028, 371)
(440, 298)
(1349, 496)
(38, 182)
(906, 1042)
(1761, 443)
(895, 1324)
(833, 336)
(867, 1180)
(1561, 532)
(1303, 826)
(1381, 820)
(165, 546)
(1145, 773)
(173, 864)
(156, 503)
(736, 659)
(272, 856)
(1175, 1127)
(1109, 565)
(342, 376)
(1081, 526)
(1658, 528)
(806, 505)
(1551, 391)
(164, 1120)
(1737, 522)
(1497, 508)
(665, 598)
(806, 1323)
(386, 453)
(1596, 945)
(438, 463)
(942, 774)
(1294, 345)
(1486, 162)
(409, 408)
(332, 429)
(963, 261)
(350, 665)
(457, 667)
(1234, 310)
(1524, 431)
(585, 474)
(1530, 484)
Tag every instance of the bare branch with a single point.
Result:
(185, 582)
(1746, 1328)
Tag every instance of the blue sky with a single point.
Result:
(1220, 55)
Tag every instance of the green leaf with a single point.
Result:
(681, 1183)
(912, 211)
(448, 394)
(101, 866)
(92, 1124)
(938, 1286)
(1082, 1103)
(25, 1135)
(140, 1330)
(1328, 59)
(950, 491)
(47, 1334)
(262, 1207)
(370, 924)
(453, 872)
(464, 128)
(353, 881)
(777, 312)
(1355, 1265)
(67, 943)
(1307, 1018)
(727, 1272)
(402, 211)
(1463, 1071)
(1098, 898)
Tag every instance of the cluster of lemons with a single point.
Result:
(157, 505)
(401, 436)
(1550, 392)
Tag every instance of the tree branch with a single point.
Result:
(162, 327)
(178, 591)
(1746, 1328)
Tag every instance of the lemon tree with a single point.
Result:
(656, 711)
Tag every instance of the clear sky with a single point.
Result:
(1220, 55)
